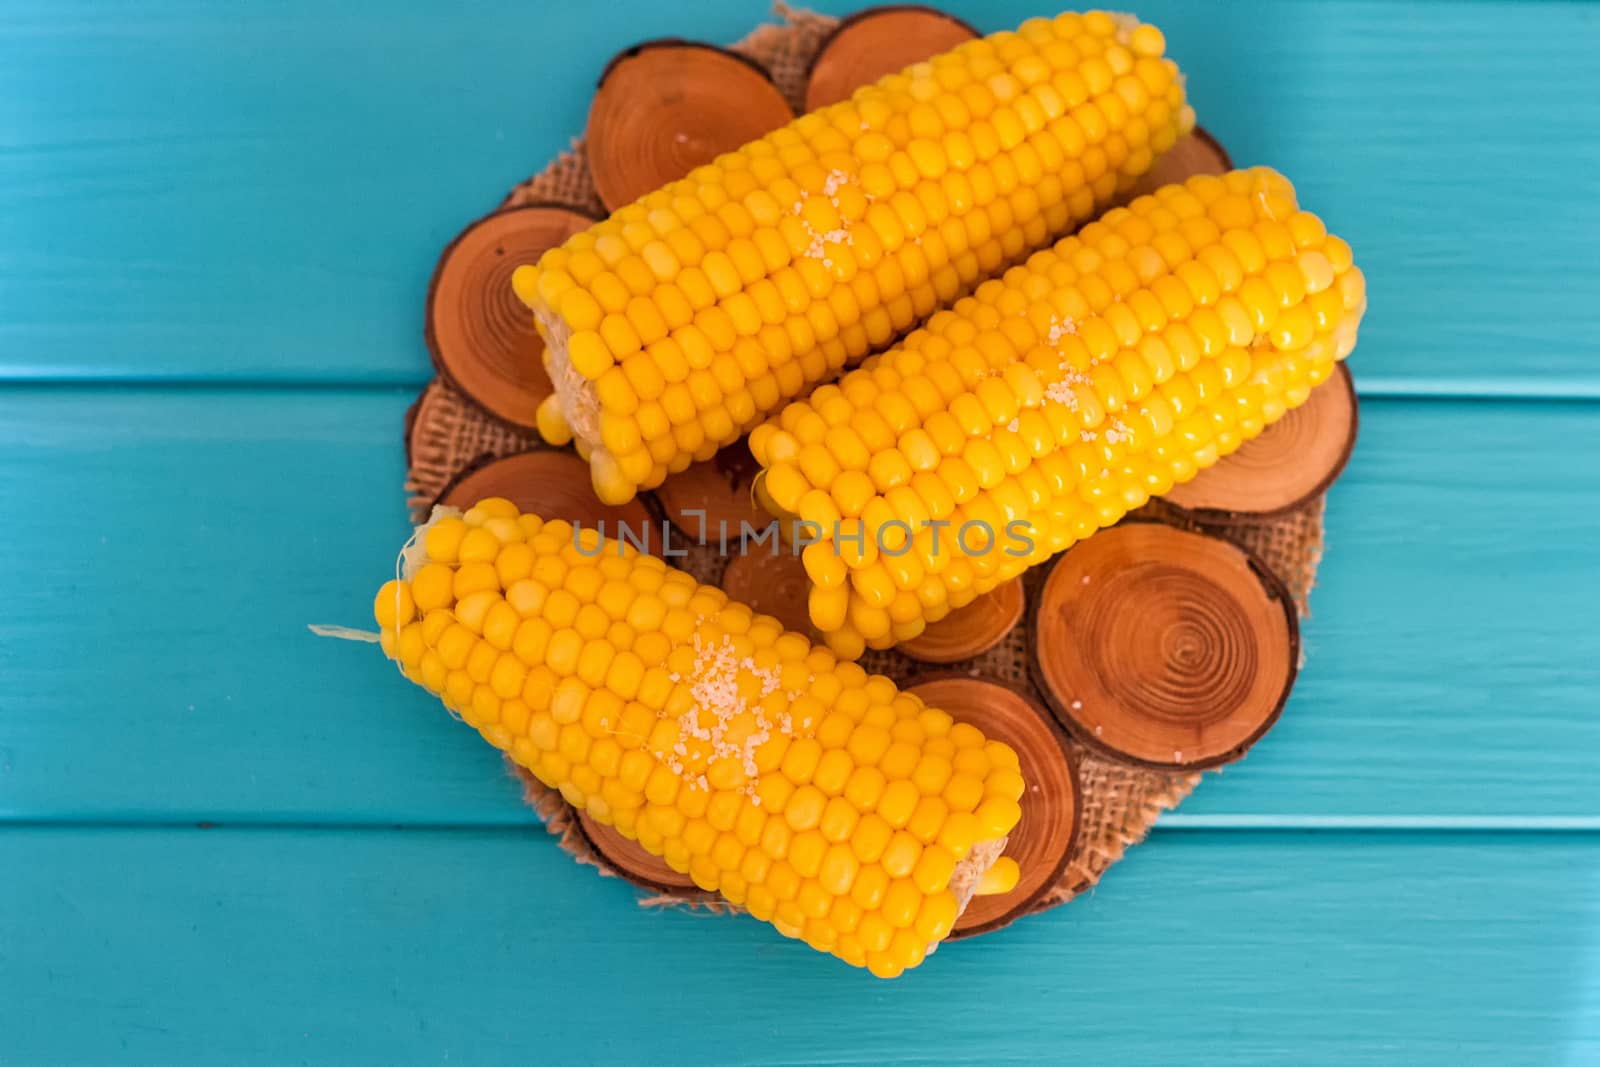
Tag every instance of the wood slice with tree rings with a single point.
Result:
(1291, 461)
(1197, 152)
(969, 630)
(877, 42)
(1042, 841)
(719, 488)
(1163, 647)
(775, 585)
(554, 485)
(482, 337)
(632, 861)
(666, 107)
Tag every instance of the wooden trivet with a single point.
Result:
(665, 107)
(1165, 647)
(1281, 470)
(714, 495)
(542, 480)
(481, 336)
(1042, 842)
(970, 630)
(878, 41)
(773, 583)
(1234, 553)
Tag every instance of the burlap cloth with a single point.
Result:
(447, 433)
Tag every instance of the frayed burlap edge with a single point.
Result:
(446, 433)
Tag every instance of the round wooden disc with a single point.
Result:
(969, 630)
(1042, 841)
(719, 487)
(877, 42)
(632, 861)
(666, 107)
(1196, 152)
(1167, 648)
(1291, 461)
(482, 338)
(555, 485)
(775, 585)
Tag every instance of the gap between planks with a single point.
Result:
(1368, 386)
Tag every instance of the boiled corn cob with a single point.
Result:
(1060, 396)
(688, 316)
(821, 800)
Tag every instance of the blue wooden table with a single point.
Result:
(222, 840)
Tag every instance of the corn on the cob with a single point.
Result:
(1060, 396)
(688, 316)
(820, 799)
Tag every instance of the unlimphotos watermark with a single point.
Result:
(974, 537)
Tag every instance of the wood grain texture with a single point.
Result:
(259, 192)
(170, 547)
(490, 947)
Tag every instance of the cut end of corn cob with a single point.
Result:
(1058, 398)
(686, 318)
(820, 799)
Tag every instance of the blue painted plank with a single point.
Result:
(487, 947)
(1452, 649)
(155, 648)
(258, 192)
(168, 548)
